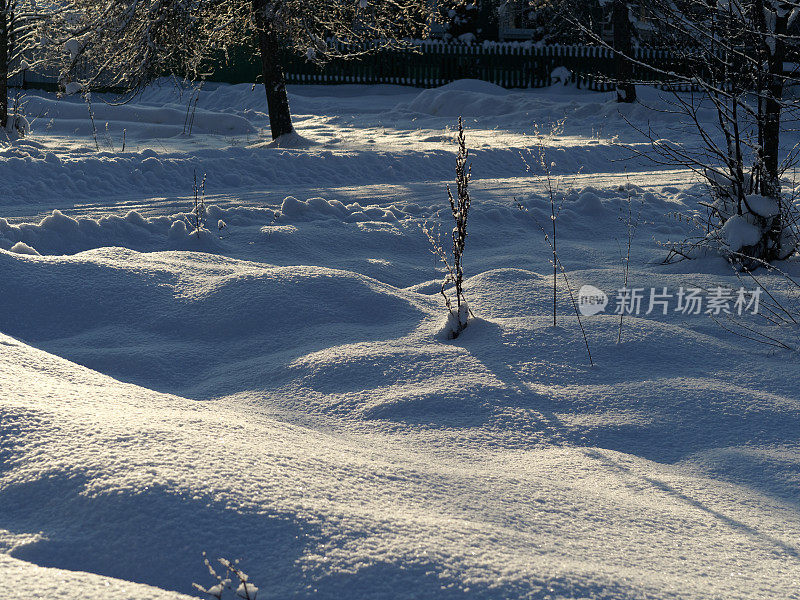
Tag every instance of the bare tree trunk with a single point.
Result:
(280, 118)
(772, 105)
(4, 41)
(770, 126)
(626, 90)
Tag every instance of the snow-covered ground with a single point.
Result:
(278, 390)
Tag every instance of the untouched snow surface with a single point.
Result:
(277, 391)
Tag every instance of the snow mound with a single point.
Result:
(58, 233)
(738, 233)
(113, 294)
(467, 98)
(474, 86)
(293, 209)
(23, 248)
(763, 206)
(289, 140)
(69, 115)
(453, 103)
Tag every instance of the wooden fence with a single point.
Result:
(431, 64)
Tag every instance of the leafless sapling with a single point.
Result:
(556, 197)
(460, 204)
(631, 225)
(560, 267)
(191, 108)
(198, 216)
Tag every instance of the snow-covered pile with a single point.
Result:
(277, 390)
(315, 208)
(466, 98)
(318, 429)
(70, 116)
(148, 151)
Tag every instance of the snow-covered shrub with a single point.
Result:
(17, 126)
(234, 580)
(458, 311)
(734, 56)
(749, 229)
(561, 76)
(16, 122)
(198, 216)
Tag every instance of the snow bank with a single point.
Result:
(71, 116)
(61, 234)
(397, 139)
(293, 209)
(84, 174)
(341, 447)
(298, 409)
(23, 248)
(468, 99)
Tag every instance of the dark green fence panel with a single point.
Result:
(431, 64)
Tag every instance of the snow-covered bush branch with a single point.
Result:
(234, 580)
(733, 54)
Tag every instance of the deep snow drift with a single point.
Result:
(276, 390)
